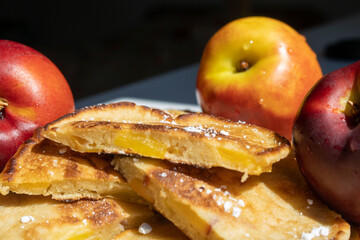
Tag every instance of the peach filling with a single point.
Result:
(141, 144)
(242, 160)
(81, 236)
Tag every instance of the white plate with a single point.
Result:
(159, 104)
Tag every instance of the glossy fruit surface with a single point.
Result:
(33, 92)
(326, 140)
(257, 70)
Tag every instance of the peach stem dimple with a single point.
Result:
(355, 111)
(242, 66)
(3, 103)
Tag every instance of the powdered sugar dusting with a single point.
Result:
(224, 133)
(194, 129)
(224, 199)
(145, 228)
(315, 232)
(209, 132)
(62, 150)
(26, 219)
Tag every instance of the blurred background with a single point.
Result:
(99, 45)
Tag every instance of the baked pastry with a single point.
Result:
(215, 204)
(192, 138)
(39, 217)
(157, 229)
(43, 167)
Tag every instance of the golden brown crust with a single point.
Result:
(193, 138)
(215, 204)
(38, 217)
(43, 167)
(111, 112)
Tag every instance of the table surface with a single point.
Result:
(178, 86)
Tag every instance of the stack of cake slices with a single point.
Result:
(124, 171)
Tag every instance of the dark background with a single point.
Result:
(99, 45)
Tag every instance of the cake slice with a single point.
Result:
(192, 138)
(215, 204)
(43, 167)
(39, 217)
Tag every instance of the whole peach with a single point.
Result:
(258, 70)
(33, 92)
